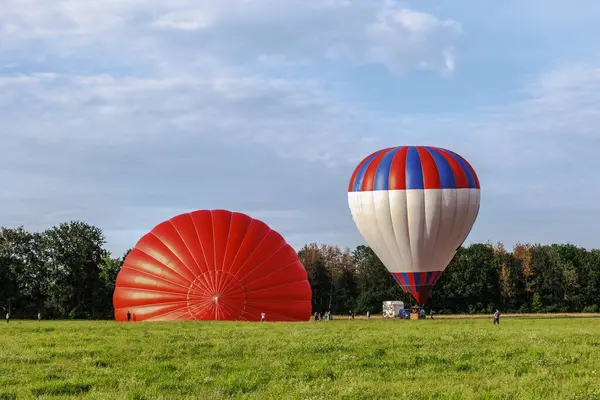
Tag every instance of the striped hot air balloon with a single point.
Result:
(415, 206)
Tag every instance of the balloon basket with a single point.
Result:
(417, 313)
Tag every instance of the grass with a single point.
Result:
(377, 359)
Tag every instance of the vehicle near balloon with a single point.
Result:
(392, 309)
(415, 206)
(212, 265)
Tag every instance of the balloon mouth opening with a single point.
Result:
(218, 297)
(417, 284)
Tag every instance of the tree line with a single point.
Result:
(532, 278)
(66, 272)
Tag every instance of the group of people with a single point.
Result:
(328, 316)
(320, 317)
(39, 317)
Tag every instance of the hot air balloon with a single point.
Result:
(415, 206)
(212, 265)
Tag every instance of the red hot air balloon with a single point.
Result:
(212, 265)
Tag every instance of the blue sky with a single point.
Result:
(124, 114)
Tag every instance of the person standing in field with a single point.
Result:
(368, 314)
(7, 317)
(128, 316)
(39, 316)
(262, 317)
(497, 317)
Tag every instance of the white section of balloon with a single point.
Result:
(417, 230)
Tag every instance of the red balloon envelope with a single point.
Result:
(212, 265)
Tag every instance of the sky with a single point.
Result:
(126, 113)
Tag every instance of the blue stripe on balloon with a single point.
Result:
(428, 278)
(414, 170)
(400, 279)
(382, 175)
(444, 169)
(465, 167)
(361, 173)
(406, 280)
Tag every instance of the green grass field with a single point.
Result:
(376, 359)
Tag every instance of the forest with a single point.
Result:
(66, 272)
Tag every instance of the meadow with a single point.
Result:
(556, 358)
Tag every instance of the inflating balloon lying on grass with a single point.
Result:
(212, 265)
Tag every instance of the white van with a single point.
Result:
(392, 308)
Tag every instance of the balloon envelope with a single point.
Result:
(415, 206)
(212, 265)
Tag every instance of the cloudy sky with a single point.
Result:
(125, 113)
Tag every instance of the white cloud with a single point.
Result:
(237, 31)
(99, 109)
(183, 21)
(399, 35)
(27, 19)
